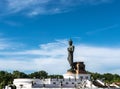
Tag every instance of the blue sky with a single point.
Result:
(34, 34)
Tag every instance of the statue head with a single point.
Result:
(70, 42)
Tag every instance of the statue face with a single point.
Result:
(70, 42)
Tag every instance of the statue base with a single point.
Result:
(71, 71)
(70, 75)
(78, 71)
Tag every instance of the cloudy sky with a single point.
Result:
(34, 35)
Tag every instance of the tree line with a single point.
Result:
(106, 77)
(7, 78)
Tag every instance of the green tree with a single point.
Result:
(55, 76)
(108, 77)
(5, 79)
(18, 74)
(39, 74)
(96, 76)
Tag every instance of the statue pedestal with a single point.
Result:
(69, 74)
(76, 76)
(77, 72)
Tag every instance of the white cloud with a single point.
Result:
(3, 44)
(17, 5)
(103, 29)
(6, 44)
(52, 57)
(38, 7)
